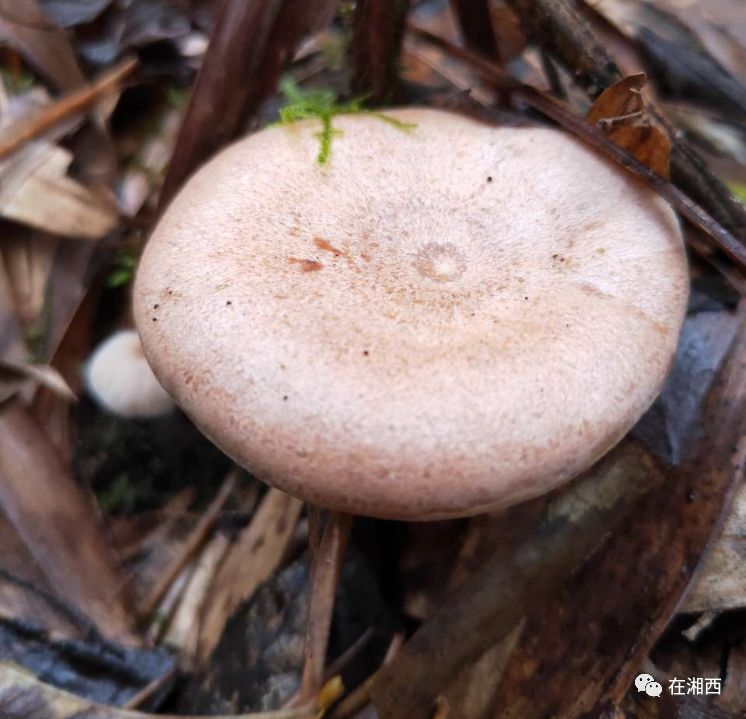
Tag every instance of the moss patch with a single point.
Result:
(323, 105)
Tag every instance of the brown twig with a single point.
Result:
(325, 572)
(151, 689)
(378, 31)
(555, 110)
(38, 121)
(194, 542)
(476, 25)
(356, 700)
(560, 28)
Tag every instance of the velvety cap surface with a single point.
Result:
(437, 322)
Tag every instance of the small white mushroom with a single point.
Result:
(435, 323)
(119, 378)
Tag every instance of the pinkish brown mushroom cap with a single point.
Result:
(436, 323)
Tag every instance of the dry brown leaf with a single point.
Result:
(620, 111)
(29, 257)
(40, 375)
(36, 191)
(11, 340)
(42, 43)
(58, 522)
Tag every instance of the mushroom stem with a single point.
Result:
(328, 555)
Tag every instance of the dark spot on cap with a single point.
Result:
(284, 398)
(365, 353)
(155, 306)
(155, 319)
(489, 179)
(228, 302)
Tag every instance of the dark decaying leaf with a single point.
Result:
(99, 671)
(24, 697)
(516, 578)
(580, 652)
(672, 427)
(42, 44)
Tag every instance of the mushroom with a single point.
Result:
(435, 323)
(120, 380)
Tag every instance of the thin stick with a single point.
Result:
(591, 135)
(150, 689)
(37, 122)
(325, 571)
(193, 543)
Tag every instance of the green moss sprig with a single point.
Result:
(322, 104)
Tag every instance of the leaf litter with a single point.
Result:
(522, 609)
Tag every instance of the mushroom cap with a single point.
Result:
(436, 323)
(119, 378)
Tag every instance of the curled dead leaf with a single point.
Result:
(621, 112)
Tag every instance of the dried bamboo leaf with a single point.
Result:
(35, 190)
(41, 375)
(59, 524)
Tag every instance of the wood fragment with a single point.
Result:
(378, 30)
(559, 27)
(476, 25)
